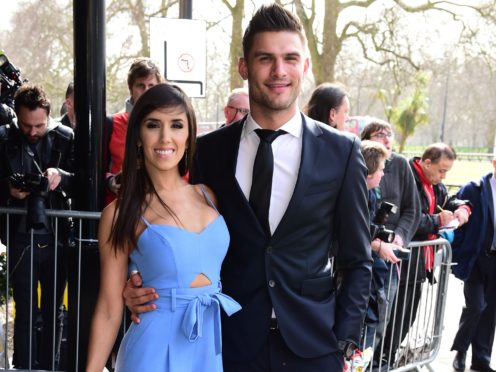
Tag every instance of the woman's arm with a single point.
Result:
(110, 304)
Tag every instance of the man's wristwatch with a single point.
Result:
(347, 348)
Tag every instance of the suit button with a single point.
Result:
(269, 249)
(272, 284)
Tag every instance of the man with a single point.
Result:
(396, 187)
(68, 118)
(437, 210)
(474, 251)
(294, 317)
(238, 105)
(42, 151)
(142, 75)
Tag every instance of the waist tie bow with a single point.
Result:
(192, 323)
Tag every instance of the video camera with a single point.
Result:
(377, 227)
(10, 79)
(38, 186)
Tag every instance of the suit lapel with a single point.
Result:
(232, 148)
(309, 154)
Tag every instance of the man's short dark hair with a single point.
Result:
(374, 126)
(140, 68)
(438, 150)
(271, 18)
(31, 97)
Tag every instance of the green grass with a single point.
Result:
(464, 171)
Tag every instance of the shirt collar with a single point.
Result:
(294, 126)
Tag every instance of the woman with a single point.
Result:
(171, 231)
(329, 104)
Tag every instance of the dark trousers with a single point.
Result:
(478, 318)
(408, 297)
(43, 253)
(275, 356)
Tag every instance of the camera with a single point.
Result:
(10, 79)
(37, 185)
(378, 229)
(30, 182)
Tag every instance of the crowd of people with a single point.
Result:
(220, 245)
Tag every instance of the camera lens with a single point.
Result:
(37, 217)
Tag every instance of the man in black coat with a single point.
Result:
(474, 252)
(40, 152)
(437, 210)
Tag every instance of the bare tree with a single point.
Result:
(375, 36)
(46, 58)
(136, 13)
(235, 48)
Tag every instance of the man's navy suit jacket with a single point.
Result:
(476, 235)
(289, 270)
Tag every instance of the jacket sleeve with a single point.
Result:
(67, 164)
(4, 167)
(430, 223)
(354, 258)
(410, 209)
(471, 193)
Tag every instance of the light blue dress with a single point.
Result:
(184, 333)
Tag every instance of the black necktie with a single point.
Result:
(263, 167)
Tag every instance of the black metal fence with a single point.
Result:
(415, 329)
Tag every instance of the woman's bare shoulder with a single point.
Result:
(207, 190)
(108, 212)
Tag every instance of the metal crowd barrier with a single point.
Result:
(61, 360)
(417, 348)
(412, 337)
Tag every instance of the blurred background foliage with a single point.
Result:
(427, 66)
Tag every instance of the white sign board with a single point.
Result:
(180, 48)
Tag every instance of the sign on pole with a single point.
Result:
(179, 46)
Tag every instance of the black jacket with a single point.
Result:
(429, 223)
(287, 271)
(54, 150)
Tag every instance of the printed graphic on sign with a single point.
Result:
(179, 46)
(186, 62)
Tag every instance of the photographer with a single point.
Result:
(396, 187)
(36, 170)
(375, 155)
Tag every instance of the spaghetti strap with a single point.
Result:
(145, 221)
(207, 197)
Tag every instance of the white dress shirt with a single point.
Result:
(287, 157)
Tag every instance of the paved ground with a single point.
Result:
(454, 304)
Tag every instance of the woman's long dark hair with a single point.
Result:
(325, 97)
(135, 180)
